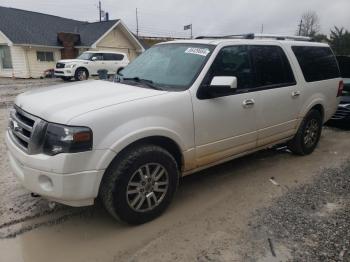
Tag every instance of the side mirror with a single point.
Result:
(220, 86)
(224, 81)
(95, 58)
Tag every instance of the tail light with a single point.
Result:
(340, 88)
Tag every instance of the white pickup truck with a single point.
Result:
(178, 108)
(89, 63)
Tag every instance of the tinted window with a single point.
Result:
(44, 56)
(113, 57)
(344, 66)
(317, 63)
(97, 57)
(233, 61)
(271, 66)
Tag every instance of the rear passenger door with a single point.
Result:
(277, 112)
(113, 62)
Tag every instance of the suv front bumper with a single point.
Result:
(64, 72)
(40, 174)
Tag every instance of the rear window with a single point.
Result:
(317, 63)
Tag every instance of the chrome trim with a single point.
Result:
(22, 133)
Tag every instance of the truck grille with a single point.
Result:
(341, 113)
(59, 65)
(26, 131)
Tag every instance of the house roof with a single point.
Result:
(26, 27)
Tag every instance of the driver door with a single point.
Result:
(226, 125)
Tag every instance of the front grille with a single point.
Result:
(26, 131)
(59, 65)
(341, 113)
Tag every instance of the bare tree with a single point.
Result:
(309, 24)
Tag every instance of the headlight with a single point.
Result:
(67, 139)
(70, 65)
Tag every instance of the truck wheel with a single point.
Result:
(140, 184)
(81, 74)
(308, 135)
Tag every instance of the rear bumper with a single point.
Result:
(73, 188)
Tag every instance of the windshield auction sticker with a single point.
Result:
(197, 51)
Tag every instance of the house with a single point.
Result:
(32, 42)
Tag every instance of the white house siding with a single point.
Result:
(117, 40)
(37, 68)
(19, 66)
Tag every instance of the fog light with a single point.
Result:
(68, 71)
(45, 183)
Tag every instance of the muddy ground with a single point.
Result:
(270, 206)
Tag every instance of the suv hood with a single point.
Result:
(61, 103)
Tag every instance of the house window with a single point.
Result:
(5, 57)
(44, 56)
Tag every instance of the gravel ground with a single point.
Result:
(18, 205)
(311, 222)
(10, 88)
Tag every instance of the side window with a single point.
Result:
(271, 66)
(317, 63)
(44, 56)
(98, 57)
(233, 61)
(113, 57)
(5, 57)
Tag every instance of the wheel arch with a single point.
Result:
(319, 107)
(82, 67)
(165, 142)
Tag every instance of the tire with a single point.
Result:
(81, 74)
(66, 78)
(308, 135)
(124, 175)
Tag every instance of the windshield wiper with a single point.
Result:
(148, 83)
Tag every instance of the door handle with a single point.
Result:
(296, 94)
(248, 103)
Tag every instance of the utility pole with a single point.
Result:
(191, 31)
(262, 28)
(300, 25)
(137, 24)
(99, 10)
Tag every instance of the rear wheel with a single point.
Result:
(140, 184)
(308, 135)
(81, 74)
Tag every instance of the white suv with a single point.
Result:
(89, 63)
(178, 108)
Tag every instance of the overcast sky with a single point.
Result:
(209, 17)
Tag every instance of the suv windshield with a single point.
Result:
(169, 66)
(85, 56)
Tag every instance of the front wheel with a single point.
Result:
(81, 74)
(308, 135)
(140, 184)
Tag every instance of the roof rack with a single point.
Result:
(258, 36)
